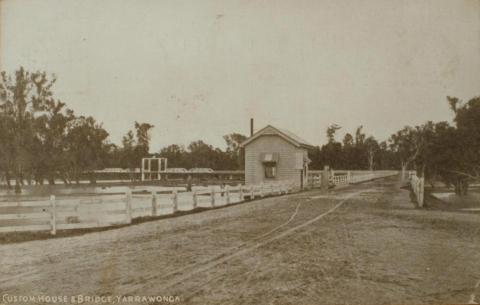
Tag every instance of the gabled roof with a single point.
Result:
(285, 134)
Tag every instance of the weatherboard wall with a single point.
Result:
(254, 168)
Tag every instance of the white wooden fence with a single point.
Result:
(341, 178)
(85, 212)
(418, 188)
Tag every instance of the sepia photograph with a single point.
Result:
(239, 152)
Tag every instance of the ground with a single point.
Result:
(364, 244)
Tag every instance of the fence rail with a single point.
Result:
(111, 210)
(342, 178)
(87, 212)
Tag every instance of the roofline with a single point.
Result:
(282, 134)
(308, 146)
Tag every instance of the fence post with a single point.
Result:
(349, 177)
(212, 196)
(227, 192)
(175, 201)
(420, 191)
(128, 205)
(325, 178)
(240, 192)
(262, 194)
(252, 192)
(194, 194)
(53, 214)
(154, 203)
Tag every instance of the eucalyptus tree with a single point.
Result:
(87, 147)
(462, 145)
(22, 97)
(405, 147)
(135, 146)
(371, 150)
(234, 152)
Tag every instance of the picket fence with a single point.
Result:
(86, 212)
(63, 213)
(418, 187)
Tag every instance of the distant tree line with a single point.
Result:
(201, 154)
(437, 151)
(443, 152)
(43, 140)
(355, 152)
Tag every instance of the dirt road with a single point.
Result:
(362, 244)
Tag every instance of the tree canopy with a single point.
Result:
(42, 139)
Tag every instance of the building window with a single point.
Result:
(270, 170)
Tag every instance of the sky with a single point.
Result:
(202, 69)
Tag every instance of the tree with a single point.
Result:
(135, 146)
(359, 153)
(331, 130)
(403, 144)
(21, 98)
(386, 158)
(234, 151)
(348, 152)
(175, 154)
(332, 151)
(359, 136)
(143, 138)
(463, 148)
(372, 148)
(348, 140)
(201, 154)
(87, 147)
(6, 149)
(50, 140)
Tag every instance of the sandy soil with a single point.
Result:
(361, 244)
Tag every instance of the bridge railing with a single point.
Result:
(344, 177)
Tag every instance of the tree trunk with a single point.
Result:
(38, 179)
(22, 182)
(370, 161)
(421, 173)
(76, 176)
(461, 187)
(18, 188)
(7, 176)
(404, 168)
(93, 180)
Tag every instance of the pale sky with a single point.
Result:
(201, 69)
